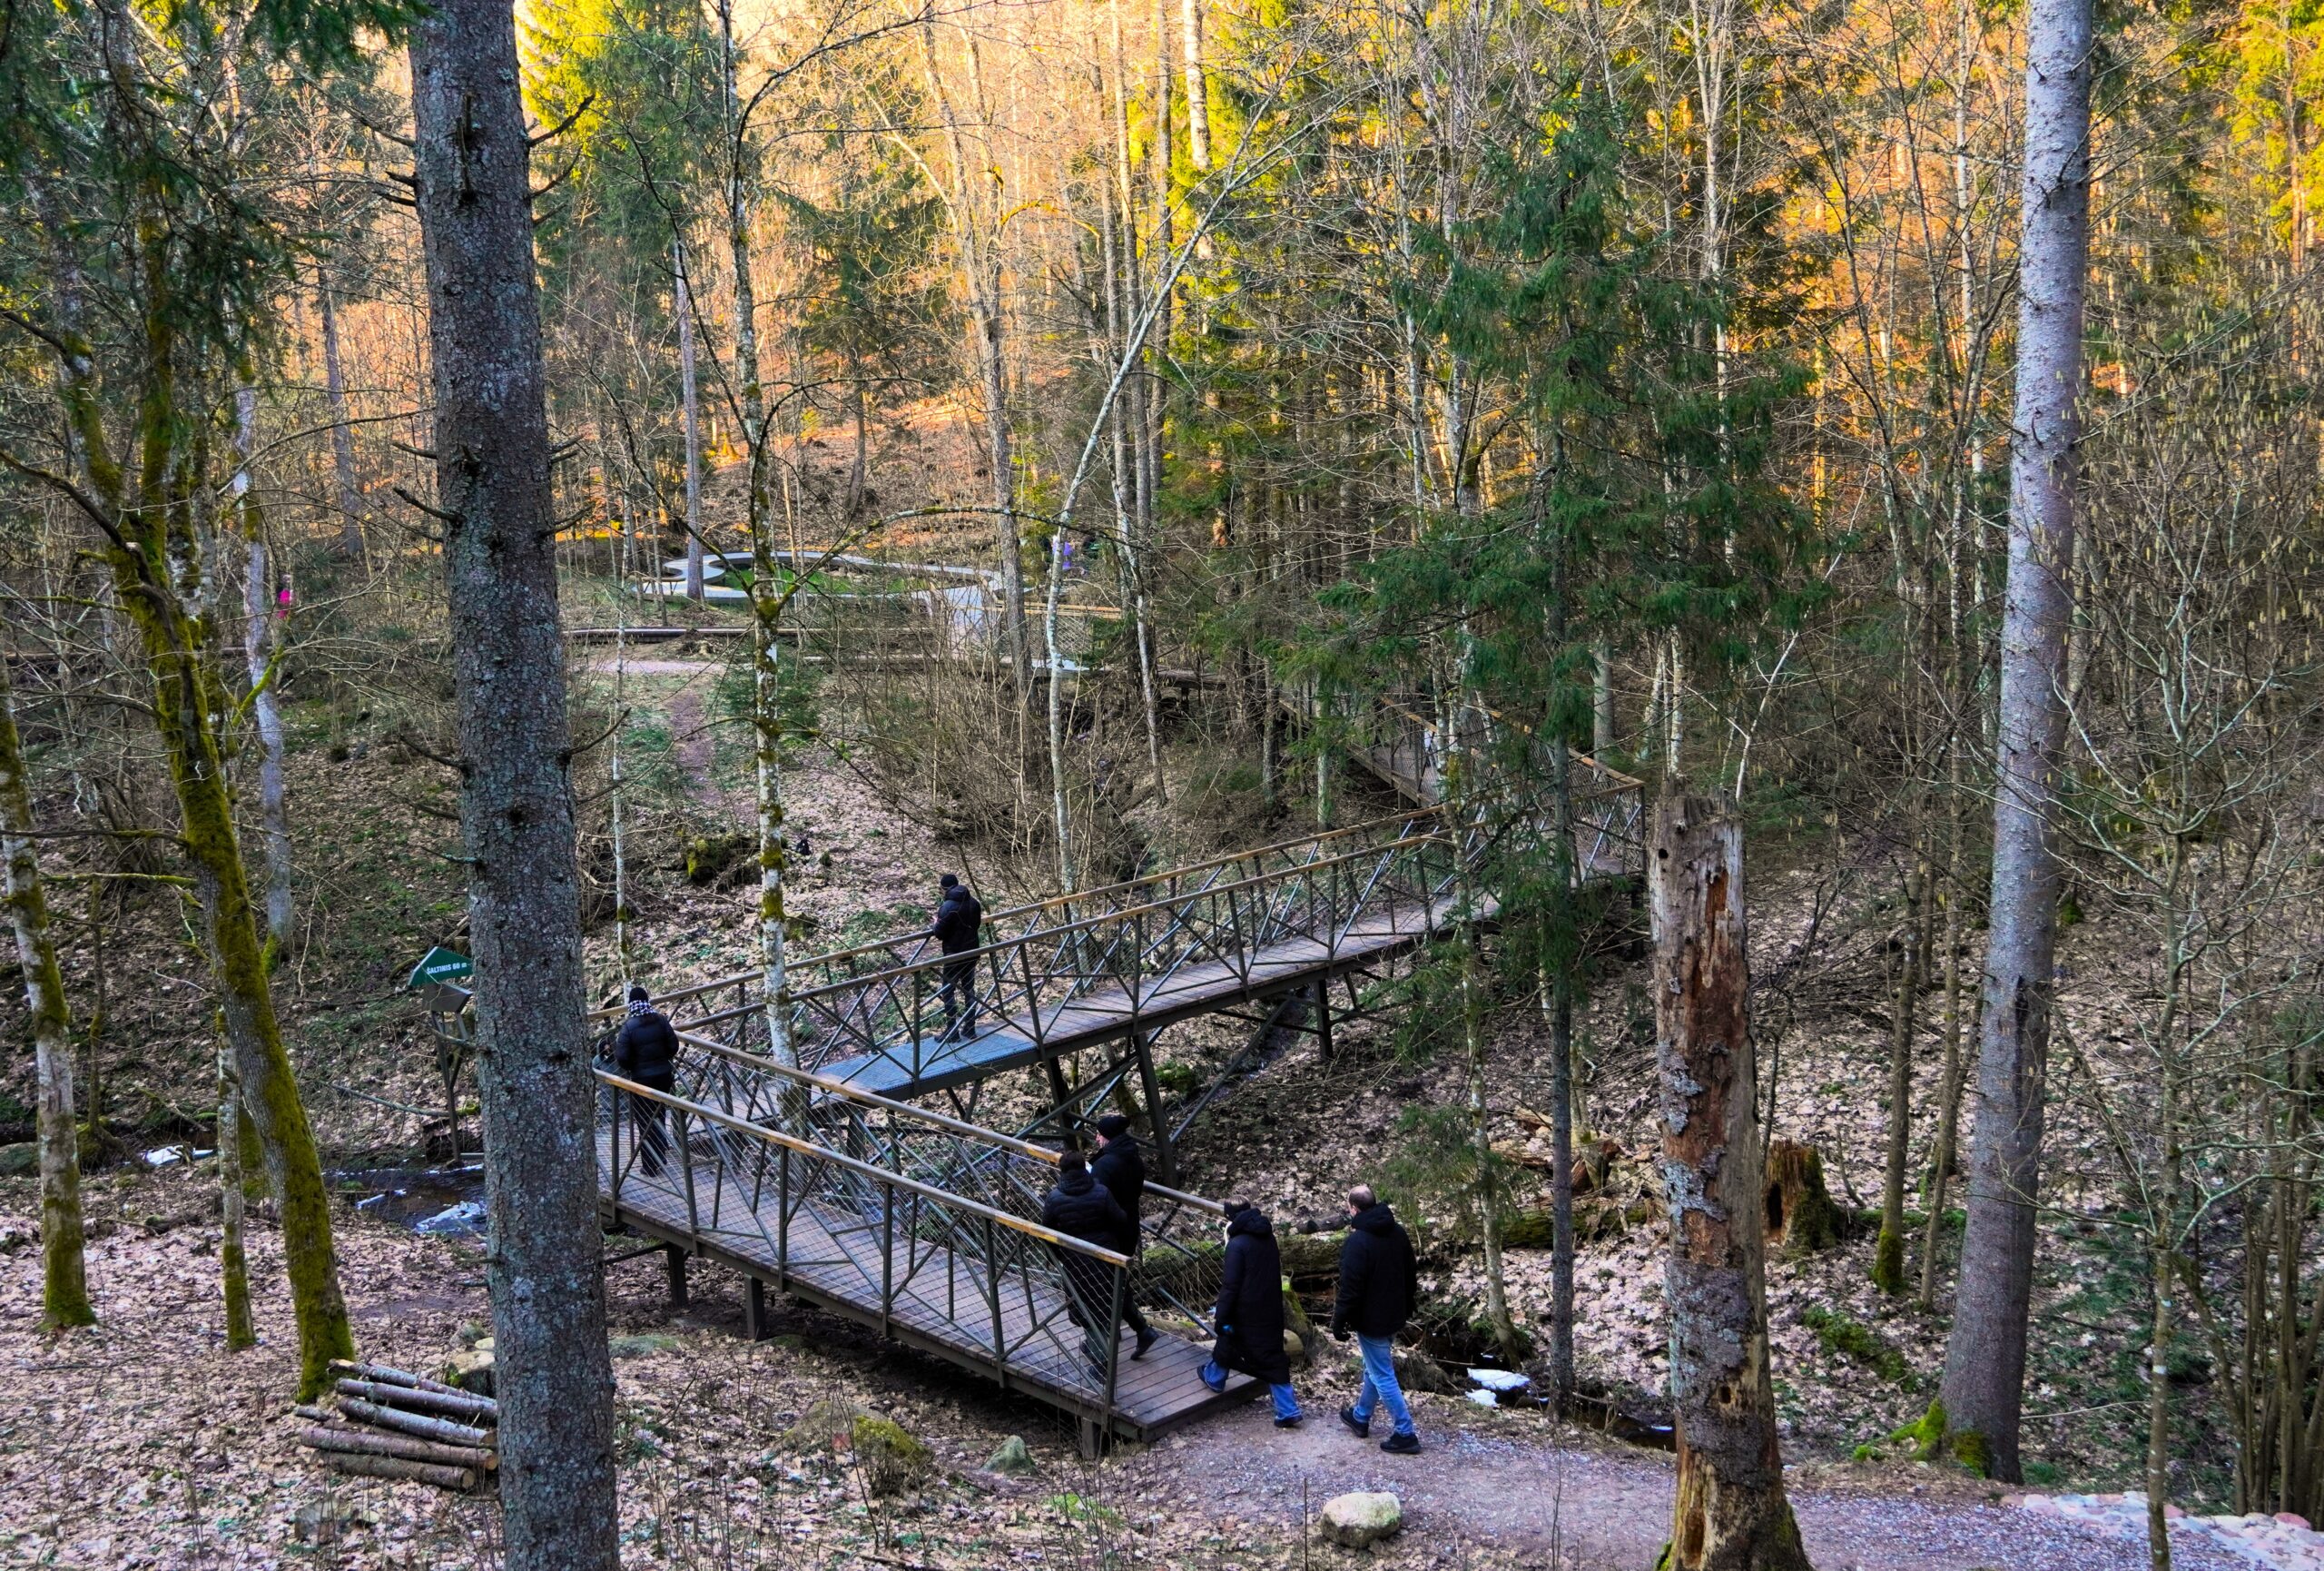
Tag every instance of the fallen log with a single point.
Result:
(417, 1424)
(450, 1405)
(390, 1376)
(460, 1478)
(373, 1443)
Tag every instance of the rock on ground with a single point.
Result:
(1358, 1521)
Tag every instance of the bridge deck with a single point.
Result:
(1194, 988)
(834, 1262)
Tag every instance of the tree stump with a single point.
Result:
(1801, 1218)
(1730, 1514)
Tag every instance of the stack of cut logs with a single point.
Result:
(392, 1424)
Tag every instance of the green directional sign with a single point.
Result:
(440, 964)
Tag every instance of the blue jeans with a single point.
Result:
(1286, 1400)
(1379, 1383)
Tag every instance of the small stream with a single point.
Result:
(438, 1200)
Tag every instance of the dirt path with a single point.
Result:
(1589, 1509)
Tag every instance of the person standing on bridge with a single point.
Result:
(1080, 1208)
(1376, 1299)
(959, 931)
(1120, 1166)
(1250, 1312)
(645, 1050)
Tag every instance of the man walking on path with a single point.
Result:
(1376, 1299)
(1120, 1168)
(958, 930)
(645, 1050)
(1079, 1207)
(1250, 1312)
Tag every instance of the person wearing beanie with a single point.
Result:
(1080, 1208)
(1250, 1318)
(959, 930)
(645, 1050)
(1120, 1168)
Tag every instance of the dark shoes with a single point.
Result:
(1145, 1340)
(1401, 1445)
(1290, 1423)
(1363, 1427)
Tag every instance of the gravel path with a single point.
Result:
(1595, 1510)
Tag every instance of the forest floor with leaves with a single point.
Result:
(143, 1438)
(141, 1443)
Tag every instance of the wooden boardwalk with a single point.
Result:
(864, 1262)
(919, 1066)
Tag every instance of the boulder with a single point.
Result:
(1292, 1347)
(892, 1458)
(1014, 1460)
(1359, 1520)
(470, 1369)
(827, 1425)
(20, 1161)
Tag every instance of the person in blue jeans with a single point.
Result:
(1376, 1299)
(1249, 1317)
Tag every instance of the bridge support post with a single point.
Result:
(754, 1327)
(1090, 1436)
(675, 1259)
(1060, 1097)
(1324, 1018)
(1166, 1152)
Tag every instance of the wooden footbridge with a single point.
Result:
(825, 1174)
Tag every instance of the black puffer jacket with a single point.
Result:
(960, 921)
(1120, 1168)
(645, 1048)
(1377, 1275)
(1079, 1207)
(1250, 1301)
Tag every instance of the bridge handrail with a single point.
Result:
(869, 1170)
(1086, 924)
(840, 1088)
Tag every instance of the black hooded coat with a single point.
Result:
(1250, 1301)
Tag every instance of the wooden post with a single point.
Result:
(754, 1309)
(675, 1259)
(1730, 1509)
(1324, 1018)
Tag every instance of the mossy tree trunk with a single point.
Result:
(1731, 1512)
(64, 1287)
(552, 1373)
(151, 513)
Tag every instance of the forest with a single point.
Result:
(778, 780)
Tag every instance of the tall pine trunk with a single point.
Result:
(1984, 1357)
(690, 406)
(64, 1287)
(1731, 1513)
(342, 435)
(553, 1375)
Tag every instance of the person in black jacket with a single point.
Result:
(1120, 1168)
(1376, 1299)
(645, 1050)
(1250, 1312)
(1080, 1208)
(958, 930)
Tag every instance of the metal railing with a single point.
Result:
(928, 1224)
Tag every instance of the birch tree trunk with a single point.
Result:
(554, 1378)
(234, 1264)
(64, 1287)
(342, 435)
(1198, 86)
(1731, 1513)
(259, 657)
(691, 403)
(1984, 1357)
(767, 596)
